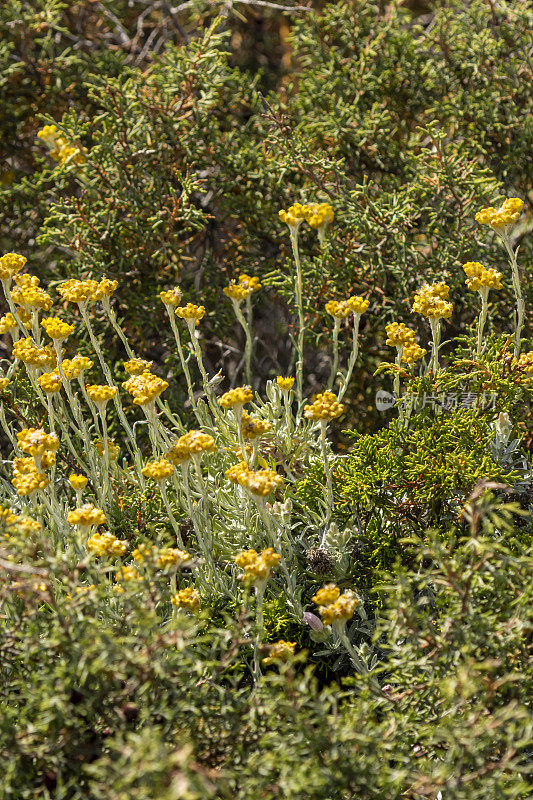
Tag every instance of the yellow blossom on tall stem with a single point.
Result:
(481, 280)
(431, 301)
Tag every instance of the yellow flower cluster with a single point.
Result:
(338, 309)
(86, 515)
(57, 329)
(22, 523)
(73, 368)
(317, 215)
(190, 312)
(525, 363)
(187, 598)
(285, 384)
(279, 651)
(158, 470)
(431, 302)
(36, 442)
(172, 557)
(504, 216)
(4, 383)
(144, 388)
(27, 351)
(249, 282)
(127, 574)
(112, 449)
(236, 397)
(10, 265)
(60, 150)
(258, 567)
(294, 216)
(78, 482)
(105, 289)
(193, 443)
(101, 393)
(29, 295)
(259, 482)
(136, 366)
(76, 291)
(50, 382)
(357, 304)
(8, 323)
(402, 337)
(27, 478)
(478, 277)
(172, 297)
(333, 606)
(105, 544)
(324, 406)
(253, 428)
(413, 352)
(237, 292)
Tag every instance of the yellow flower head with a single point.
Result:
(4, 383)
(112, 449)
(399, 335)
(188, 599)
(101, 394)
(249, 282)
(257, 567)
(502, 218)
(48, 134)
(76, 291)
(27, 483)
(145, 388)
(237, 292)
(294, 216)
(73, 368)
(327, 595)
(431, 302)
(127, 574)
(136, 366)
(197, 443)
(357, 304)
(524, 364)
(279, 651)
(8, 323)
(236, 397)
(35, 441)
(105, 544)
(78, 481)
(172, 557)
(158, 470)
(86, 516)
(253, 428)
(50, 382)
(10, 265)
(172, 297)
(324, 406)
(413, 352)
(105, 289)
(479, 278)
(29, 295)
(190, 312)
(335, 607)
(319, 215)
(338, 309)
(285, 384)
(260, 482)
(57, 329)
(179, 453)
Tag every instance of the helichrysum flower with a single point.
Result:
(503, 217)
(324, 406)
(73, 368)
(357, 304)
(27, 479)
(319, 215)
(524, 364)
(158, 470)
(35, 441)
(78, 482)
(338, 309)
(145, 388)
(105, 289)
(172, 557)
(172, 297)
(257, 567)
(112, 449)
(4, 383)
(50, 382)
(179, 453)
(279, 651)
(236, 397)
(237, 292)
(294, 216)
(253, 428)
(259, 482)
(136, 366)
(57, 329)
(431, 302)
(101, 394)
(285, 384)
(77, 291)
(399, 335)
(480, 278)
(10, 265)
(127, 573)
(60, 150)
(86, 515)
(188, 599)
(413, 352)
(105, 544)
(29, 295)
(333, 606)
(190, 312)
(249, 282)
(27, 351)
(8, 324)
(197, 443)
